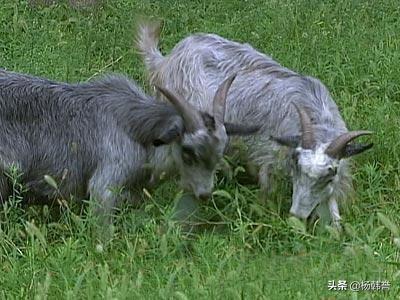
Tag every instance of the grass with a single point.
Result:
(260, 253)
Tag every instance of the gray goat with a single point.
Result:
(96, 136)
(296, 112)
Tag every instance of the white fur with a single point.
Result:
(315, 163)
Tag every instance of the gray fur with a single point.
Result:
(96, 136)
(262, 92)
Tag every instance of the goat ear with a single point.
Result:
(291, 141)
(168, 135)
(241, 129)
(354, 149)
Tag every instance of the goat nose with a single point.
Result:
(204, 196)
(297, 213)
(302, 214)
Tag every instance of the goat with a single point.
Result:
(296, 111)
(96, 136)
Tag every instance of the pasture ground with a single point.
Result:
(257, 251)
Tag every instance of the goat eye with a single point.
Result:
(188, 155)
(332, 171)
(188, 151)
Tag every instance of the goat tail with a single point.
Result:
(148, 34)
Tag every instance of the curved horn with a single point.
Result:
(307, 134)
(189, 114)
(220, 99)
(337, 148)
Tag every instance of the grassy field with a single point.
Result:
(256, 252)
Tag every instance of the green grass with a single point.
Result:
(259, 253)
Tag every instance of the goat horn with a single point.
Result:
(220, 99)
(307, 134)
(189, 114)
(337, 147)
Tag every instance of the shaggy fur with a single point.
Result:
(262, 92)
(96, 136)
